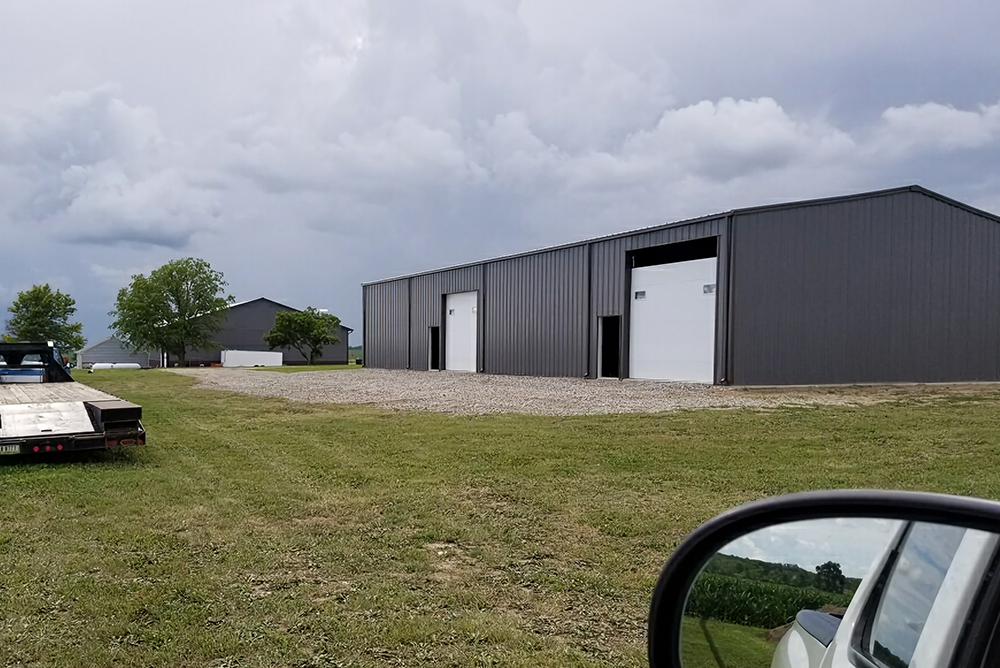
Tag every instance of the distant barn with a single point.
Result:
(244, 328)
(113, 350)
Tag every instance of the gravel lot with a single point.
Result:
(482, 394)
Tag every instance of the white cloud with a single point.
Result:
(854, 543)
(933, 126)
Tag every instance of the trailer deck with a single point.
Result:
(44, 393)
(42, 409)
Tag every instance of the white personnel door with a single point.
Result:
(461, 331)
(672, 325)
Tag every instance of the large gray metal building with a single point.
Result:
(899, 285)
(244, 328)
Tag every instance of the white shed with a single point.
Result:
(113, 350)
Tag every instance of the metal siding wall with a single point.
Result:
(337, 353)
(536, 314)
(386, 315)
(895, 288)
(244, 329)
(246, 325)
(609, 275)
(113, 351)
(533, 309)
(722, 304)
(426, 306)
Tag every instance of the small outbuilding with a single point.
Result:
(112, 350)
(893, 286)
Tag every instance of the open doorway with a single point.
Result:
(434, 349)
(610, 346)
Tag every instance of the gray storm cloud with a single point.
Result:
(303, 147)
(93, 169)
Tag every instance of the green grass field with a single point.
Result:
(254, 532)
(306, 367)
(704, 643)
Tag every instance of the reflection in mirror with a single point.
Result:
(744, 600)
(836, 592)
(804, 594)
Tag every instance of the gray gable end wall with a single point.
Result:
(244, 329)
(901, 287)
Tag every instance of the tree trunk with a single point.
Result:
(181, 357)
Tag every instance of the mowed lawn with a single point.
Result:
(254, 532)
(296, 368)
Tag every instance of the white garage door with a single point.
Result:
(460, 332)
(672, 333)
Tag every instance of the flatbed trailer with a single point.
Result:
(42, 409)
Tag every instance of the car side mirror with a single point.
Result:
(841, 579)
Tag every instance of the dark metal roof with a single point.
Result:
(265, 299)
(259, 299)
(690, 221)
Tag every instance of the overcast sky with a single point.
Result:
(302, 147)
(853, 543)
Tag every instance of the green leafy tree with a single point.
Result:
(39, 314)
(307, 331)
(830, 578)
(177, 308)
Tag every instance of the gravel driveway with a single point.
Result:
(482, 394)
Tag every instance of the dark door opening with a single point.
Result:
(681, 251)
(434, 361)
(610, 346)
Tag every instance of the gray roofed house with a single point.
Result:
(244, 328)
(113, 350)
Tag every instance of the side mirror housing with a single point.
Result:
(852, 578)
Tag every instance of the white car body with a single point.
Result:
(938, 632)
